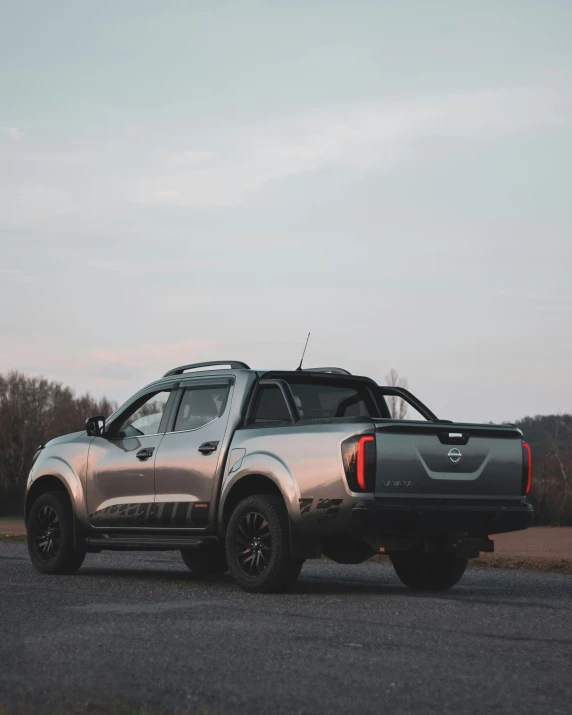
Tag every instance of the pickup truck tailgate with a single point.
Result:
(448, 460)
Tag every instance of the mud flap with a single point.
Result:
(301, 545)
(79, 538)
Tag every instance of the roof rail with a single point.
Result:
(333, 370)
(234, 365)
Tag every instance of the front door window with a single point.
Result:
(143, 418)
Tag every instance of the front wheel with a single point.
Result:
(429, 572)
(258, 546)
(50, 535)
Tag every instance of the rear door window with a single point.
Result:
(201, 404)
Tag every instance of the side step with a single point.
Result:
(146, 543)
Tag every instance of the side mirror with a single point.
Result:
(95, 426)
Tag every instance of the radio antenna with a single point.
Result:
(304, 352)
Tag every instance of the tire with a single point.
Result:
(50, 535)
(429, 572)
(258, 546)
(209, 560)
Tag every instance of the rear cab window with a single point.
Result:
(270, 406)
(323, 401)
(317, 398)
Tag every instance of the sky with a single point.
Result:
(194, 179)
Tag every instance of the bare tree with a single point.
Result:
(552, 478)
(33, 410)
(397, 406)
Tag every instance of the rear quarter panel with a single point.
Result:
(305, 462)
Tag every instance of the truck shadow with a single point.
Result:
(538, 597)
(304, 586)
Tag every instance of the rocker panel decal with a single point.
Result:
(182, 515)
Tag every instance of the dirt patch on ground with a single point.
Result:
(12, 528)
(547, 565)
(540, 541)
(542, 548)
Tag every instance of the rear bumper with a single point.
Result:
(414, 519)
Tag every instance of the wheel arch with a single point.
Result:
(247, 486)
(41, 485)
(251, 484)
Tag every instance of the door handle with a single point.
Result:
(144, 454)
(208, 447)
(453, 438)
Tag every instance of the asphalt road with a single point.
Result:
(139, 631)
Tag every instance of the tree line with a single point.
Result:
(550, 439)
(33, 410)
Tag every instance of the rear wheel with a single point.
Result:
(258, 546)
(430, 572)
(209, 560)
(50, 535)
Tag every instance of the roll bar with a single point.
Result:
(412, 400)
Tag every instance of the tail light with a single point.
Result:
(526, 468)
(359, 458)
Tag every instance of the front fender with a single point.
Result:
(67, 472)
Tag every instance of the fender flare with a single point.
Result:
(263, 464)
(57, 468)
(270, 467)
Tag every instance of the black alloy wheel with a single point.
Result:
(258, 548)
(47, 533)
(253, 542)
(51, 542)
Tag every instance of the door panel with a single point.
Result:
(184, 476)
(121, 464)
(121, 487)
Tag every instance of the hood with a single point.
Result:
(65, 438)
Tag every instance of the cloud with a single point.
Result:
(158, 356)
(167, 194)
(12, 133)
(16, 275)
(115, 372)
(134, 266)
(359, 138)
(33, 200)
(206, 165)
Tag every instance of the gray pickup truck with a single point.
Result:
(254, 471)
